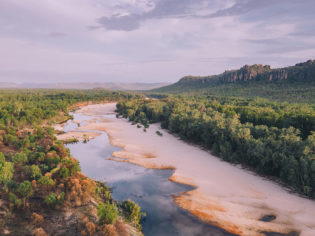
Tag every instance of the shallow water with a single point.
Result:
(150, 188)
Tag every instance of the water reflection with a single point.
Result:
(149, 188)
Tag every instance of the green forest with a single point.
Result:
(272, 138)
(38, 175)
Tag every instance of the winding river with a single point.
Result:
(150, 188)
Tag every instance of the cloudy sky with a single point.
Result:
(149, 40)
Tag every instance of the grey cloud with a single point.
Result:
(162, 9)
(242, 7)
(191, 9)
(181, 9)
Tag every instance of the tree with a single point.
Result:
(35, 171)
(6, 169)
(46, 182)
(64, 173)
(107, 213)
(51, 199)
(26, 190)
(132, 212)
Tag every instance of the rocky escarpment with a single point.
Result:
(300, 72)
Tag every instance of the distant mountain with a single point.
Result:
(110, 86)
(8, 85)
(255, 75)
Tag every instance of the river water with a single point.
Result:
(149, 188)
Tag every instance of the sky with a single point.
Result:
(48, 41)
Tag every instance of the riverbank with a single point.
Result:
(225, 195)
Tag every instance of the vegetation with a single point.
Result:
(274, 139)
(290, 84)
(132, 212)
(37, 171)
(107, 213)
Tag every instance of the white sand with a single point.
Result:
(226, 195)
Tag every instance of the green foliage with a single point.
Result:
(14, 200)
(20, 158)
(107, 213)
(25, 189)
(64, 173)
(32, 171)
(46, 182)
(11, 185)
(76, 168)
(132, 212)
(103, 191)
(6, 170)
(51, 199)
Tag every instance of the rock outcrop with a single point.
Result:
(300, 72)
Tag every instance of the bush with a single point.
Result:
(51, 199)
(132, 212)
(6, 171)
(11, 185)
(32, 171)
(64, 173)
(46, 182)
(76, 168)
(159, 133)
(107, 213)
(15, 202)
(20, 158)
(25, 189)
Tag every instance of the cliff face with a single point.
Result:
(246, 73)
(299, 72)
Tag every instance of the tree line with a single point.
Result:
(274, 139)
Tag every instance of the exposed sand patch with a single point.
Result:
(59, 127)
(81, 136)
(226, 195)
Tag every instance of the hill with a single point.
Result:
(87, 85)
(294, 83)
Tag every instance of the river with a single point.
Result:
(150, 188)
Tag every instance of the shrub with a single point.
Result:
(64, 173)
(6, 171)
(25, 189)
(51, 199)
(132, 212)
(32, 171)
(159, 133)
(20, 158)
(107, 213)
(11, 185)
(76, 168)
(15, 202)
(46, 182)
